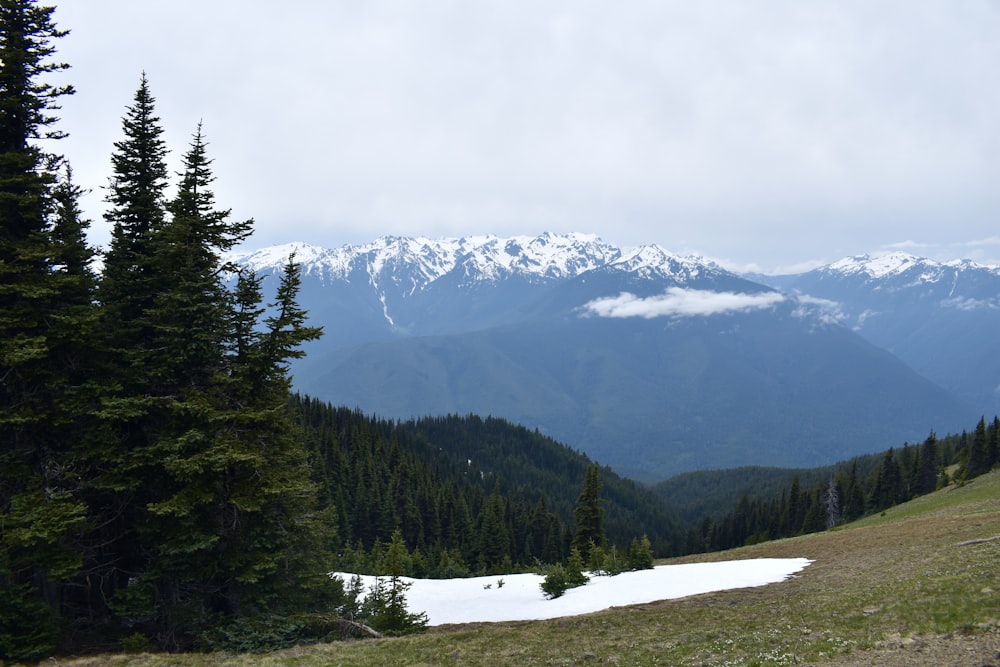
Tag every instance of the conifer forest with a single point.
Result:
(162, 485)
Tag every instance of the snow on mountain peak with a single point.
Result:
(881, 266)
(276, 257)
(419, 261)
(650, 260)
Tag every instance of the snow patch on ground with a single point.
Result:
(516, 597)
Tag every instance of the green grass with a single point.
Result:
(920, 574)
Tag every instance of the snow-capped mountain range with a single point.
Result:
(645, 359)
(900, 264)
(418, 262)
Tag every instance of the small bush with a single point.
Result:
(640, 554)
(257, 634)
(559, 579)
(135, 643)
(555, 582)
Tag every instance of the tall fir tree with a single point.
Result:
(589, 514)
(136, 200)
(888, 489)
(132, 414)
(979, 452)
(494, 536)
(927, 466)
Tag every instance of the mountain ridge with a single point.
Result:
(648, 361)
(874, 264)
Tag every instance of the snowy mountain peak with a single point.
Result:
(416, 262)
(654, 261)
(877, 266)
(884, 266)
(276, 257)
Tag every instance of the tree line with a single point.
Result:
(862, 486)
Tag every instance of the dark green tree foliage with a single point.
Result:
(589, 514)
(927, 467)
(889, 486)
(494, 536)
(640, 554)
(853, 497)
(979, 459)
(863, 485)
(45, 305)
(471, 494)
(207, 444)
(560, 578)
(387, 610)
(137, 212)
(153, 478)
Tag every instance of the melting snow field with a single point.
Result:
(521, 598)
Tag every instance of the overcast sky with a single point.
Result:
(763, 135)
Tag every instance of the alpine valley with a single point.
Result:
(649, 362)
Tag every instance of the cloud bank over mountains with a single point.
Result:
(688, 302)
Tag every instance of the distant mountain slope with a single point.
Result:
(381, 475)
(647, 361)
(941, 318)
(651, 400)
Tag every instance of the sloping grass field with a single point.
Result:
(917, 585)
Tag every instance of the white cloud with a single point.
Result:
(681, 302)
(971, 304)
(825, 310)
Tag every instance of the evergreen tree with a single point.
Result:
(640, 554)
(135, 413)
(815, 518)
(190, 315)
(389, 612)
(44, 307)
(888, 486)
(210, 480)
(927, 466)
(979, 452)
(589, 514)
(793, 515)
(494, 538)
(993, 448)
(130, 281)
(854, 497)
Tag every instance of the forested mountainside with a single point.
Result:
(473, 494)
(489, 493)
(751, 505)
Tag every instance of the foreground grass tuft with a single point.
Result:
(918, 585)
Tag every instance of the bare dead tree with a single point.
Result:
(832, 499)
